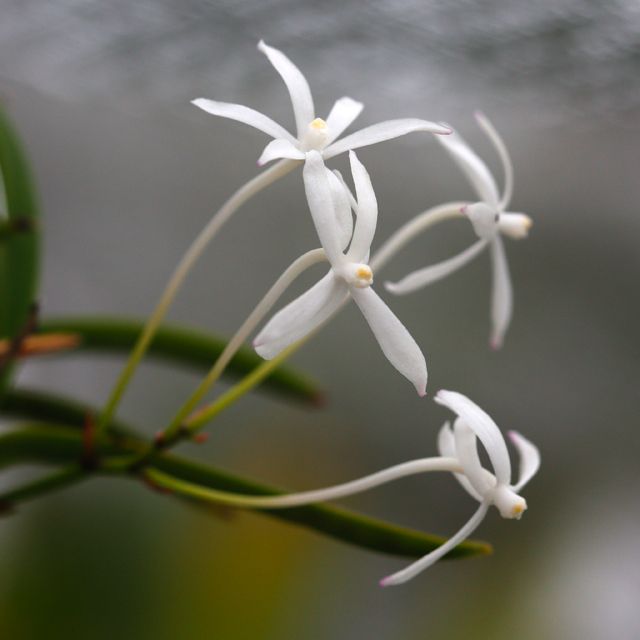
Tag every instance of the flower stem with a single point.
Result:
(255, 317)
(405, 469)
(251, 188)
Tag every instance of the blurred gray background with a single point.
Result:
(129, 171)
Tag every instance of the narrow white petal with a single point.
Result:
(515, 225)
(383, 131)
(280, 148)
(342, 114)
(501, 148)
(296, 84)
(484, 427)
(501, 294)
(244, 114)
(467, 449)
(352, 200)
(367, 211)
(423, 277)
(529, 459)
(301, 316)
(395, 341)
(473, 167)
(447, 449)
(342, 208)
(431, 558)
(321, 205)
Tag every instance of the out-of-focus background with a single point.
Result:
(129, 171)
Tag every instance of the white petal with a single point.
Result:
(244, 114)
(352, 200)
(529, 459)
(431, 558)
(280, 148)
(423, 277)
(382, 131)
(484, 427)
(467, 449)
(395, 341)
(515, 225)
(473, 167)
(321, 205)
(296, 84)
(447, 449)
(501, 294)
(342, 208)
(342, 114)
(501, 148)
(301, 316)
(367, 211)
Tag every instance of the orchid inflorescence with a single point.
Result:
(345, 223)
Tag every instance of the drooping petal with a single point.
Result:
(301, 316)
(383, 131)
(342, 208)
(352, 200)
(395, 341)
(321, 205)
(280, 148)
(422, 277)
(342, 114)
(501, 148)
(472, 166)
(467, 449)
(431, 558)
(484, 427)
(244, 114)
(367, 211)
(501, 294)
(447, 449)
(515, 225)
(297, 86)
(529, 459)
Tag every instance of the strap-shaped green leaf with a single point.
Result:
(179, 345)
(63, 445)
(19, 245)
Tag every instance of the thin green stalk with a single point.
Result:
(42, 486)
(255, 317)
(185, 265)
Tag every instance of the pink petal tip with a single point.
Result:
(384, 582)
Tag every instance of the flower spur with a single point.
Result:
(313, 132)
(489, 220)
(350, 275)
(458, 455)
(488, 488)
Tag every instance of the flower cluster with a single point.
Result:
(345, 223)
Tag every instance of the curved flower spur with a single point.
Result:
(486, 487)
(330, 203)
(489, 220)
(458, 455)
(313, 132)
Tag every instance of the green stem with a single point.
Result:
(42, 486)
(185, 265)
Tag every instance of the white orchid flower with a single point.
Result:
(313, 132)
(330, 203)
(489, 220)
(488, 488)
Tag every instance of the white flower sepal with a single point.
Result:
(313, 132)
(488, 488)
(489, 220)
(330, 203)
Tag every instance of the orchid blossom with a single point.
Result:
(489, 220)
(312, 132)
(330, 203)
(488, 488)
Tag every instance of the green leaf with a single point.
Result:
(179, 345)
(19, 244)
(52, 444)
